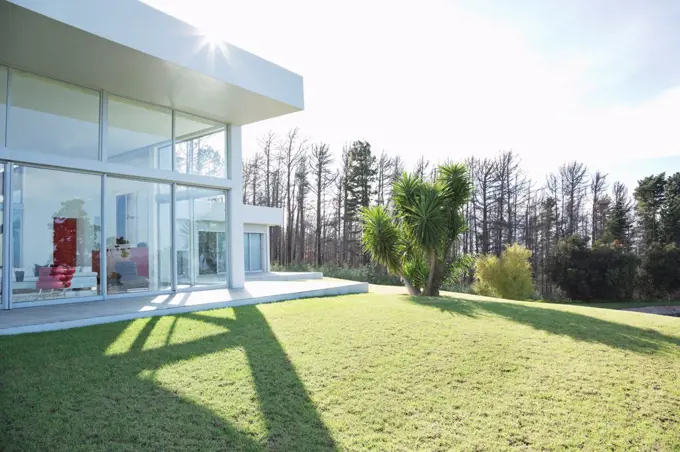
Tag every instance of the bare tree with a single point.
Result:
(255, 170)
(302, 185)
(574, 178)
(267, 144)
(598, 187)
(291, 148)
(421, 168)
(483, 185)
(383, 178)
(320, 161)
(247, 174)
(397, 170)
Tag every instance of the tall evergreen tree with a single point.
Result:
(670, 213)
(620, 222)
(360, 178)
(649, 200)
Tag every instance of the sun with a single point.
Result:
(211, 40)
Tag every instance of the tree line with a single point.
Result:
(322, 199)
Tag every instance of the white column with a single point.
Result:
(235, 210)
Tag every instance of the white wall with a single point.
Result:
(235, 206)
(271, 216)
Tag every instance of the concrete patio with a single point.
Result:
(64, 316)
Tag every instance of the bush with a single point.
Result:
(660, 272)
(605, 272)
(372, 274)
(507, 276)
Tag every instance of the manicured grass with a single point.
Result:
(362, 372)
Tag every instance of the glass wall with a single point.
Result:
(55, 234)
(139, 134)
(139, 235)
(201, 237)
(200, 146)
(252, 252)
(2, 219)
(53, 117)
(3, 103)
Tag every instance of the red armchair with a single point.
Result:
(51, 278)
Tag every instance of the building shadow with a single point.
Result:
(67, 394)
(579, 327)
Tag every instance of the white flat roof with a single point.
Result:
(130, 49)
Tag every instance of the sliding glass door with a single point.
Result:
(201, 229)
(139, 241)
(252, 252)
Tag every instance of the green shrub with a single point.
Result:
(507, 276)
(605, 272)
(659, 275)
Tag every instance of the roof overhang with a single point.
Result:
(270, 216)
(133, 50)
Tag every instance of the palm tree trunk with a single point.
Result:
(411, 290)
(432, 257)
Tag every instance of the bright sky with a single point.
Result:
(597, 82)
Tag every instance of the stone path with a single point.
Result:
(660, 310)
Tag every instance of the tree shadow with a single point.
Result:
(71, 396)
(454, 306)
(580, 327)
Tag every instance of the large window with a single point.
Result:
(53, 117)
(139, 241)
(55, 234)
(200, 146)
(2, 220)
(3, 103)
(201, 237)
(139, 134)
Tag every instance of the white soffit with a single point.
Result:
(133, 50)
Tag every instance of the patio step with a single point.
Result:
(283, 276)
(73, 315)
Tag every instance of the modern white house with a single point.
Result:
(120, 153)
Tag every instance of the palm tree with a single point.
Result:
(417, 241)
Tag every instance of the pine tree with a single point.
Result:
(360, 177)
(670, 213)
(649, 198)
(619, 223)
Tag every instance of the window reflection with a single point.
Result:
(139, 134)
(55, 234)
(201, 237)
(200, 146)
(138, 225)
(3, 103)
(53, 117)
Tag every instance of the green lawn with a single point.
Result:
(361, 372)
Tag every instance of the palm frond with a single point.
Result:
(455, 183)
(426, 218)
(380, 237)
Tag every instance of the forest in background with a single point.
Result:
(322, 197)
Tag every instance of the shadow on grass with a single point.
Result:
(450, 305)
(65, 394)
(577, 326)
